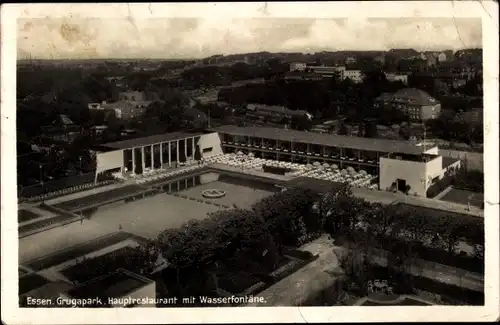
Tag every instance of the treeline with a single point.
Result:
(323, 99)
(252, 240)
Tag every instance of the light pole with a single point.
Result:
(80, 158)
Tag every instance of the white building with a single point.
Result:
(355, 75)
(413, 173)
(442, 57)
(397, 77)
(298, 66)
(328, 71)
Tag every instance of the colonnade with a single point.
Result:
(165, 156)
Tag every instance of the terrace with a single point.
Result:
(317, 170)
(424, 158)
(230, 132)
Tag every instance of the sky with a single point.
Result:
(177, 38)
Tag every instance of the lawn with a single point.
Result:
(26, 215)
(460, 196)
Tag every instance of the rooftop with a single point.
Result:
(275, 109)
(114, 285)
(144, 141)
(411, 95)
(357, 143)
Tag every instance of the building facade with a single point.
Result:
(412, 174)
(135, 156)
(354, 75)
(397, 77)
(419, 105)
(298, 66)
(405, 163)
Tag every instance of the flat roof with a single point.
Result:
(358, 143)
(114, 285)
(144, 141)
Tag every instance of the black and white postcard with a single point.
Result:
(205, 160)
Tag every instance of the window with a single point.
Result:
(205, 150)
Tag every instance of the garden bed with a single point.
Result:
(236, 281)
(44, 224)
(78, 274)
(31, 282)
(431, 254)
(448, 293)
(26, 215)
(80, 250)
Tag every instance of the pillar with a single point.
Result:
(133, 160)
(185, 148)
(194, 148)
(169, 155)
(161, 154)
(152, 156)
(143, 152)
(177, 151)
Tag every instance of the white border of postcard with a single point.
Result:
(486, 10)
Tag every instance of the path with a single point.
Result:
(390, 197)
(310, 280)
(321, 274)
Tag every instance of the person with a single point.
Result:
(120, 227)
(81, 221)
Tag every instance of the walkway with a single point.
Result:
(249, 171)
(310, 280)
(322, 273)
(390, 197)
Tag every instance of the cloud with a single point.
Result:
(192, 37)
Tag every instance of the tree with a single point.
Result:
(342, 130)
(356, 271)
(371, 130)
(284, 214)
(448, 233)
(302, 123)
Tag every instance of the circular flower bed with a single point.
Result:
(213, 193)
